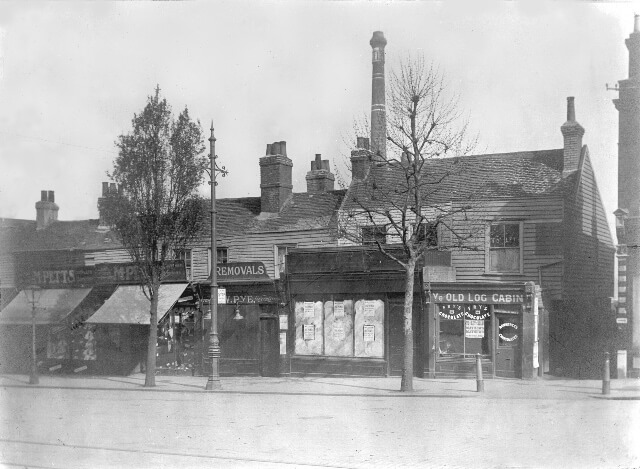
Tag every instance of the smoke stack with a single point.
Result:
(46, 210)
(378, 107)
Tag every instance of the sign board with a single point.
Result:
(338, 331)
(284, 322)
(621, 320)
(474, 329)
(439, 273)
(536, 362)
(241, 271)
(309, 332)
(497, 298)
(338, 309)
(369, 333)
(283, 343)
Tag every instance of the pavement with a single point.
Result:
(542, 388)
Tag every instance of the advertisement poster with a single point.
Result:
(338, 331)
(474, 329)
(222, 296)
(369, 308)
(309, 332)
(284, 322)
(369, 333)
(283, 343)
(338, 309)
(309, 310)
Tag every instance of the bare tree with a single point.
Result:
(156, 209)
(405, 205)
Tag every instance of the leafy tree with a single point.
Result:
(156, 210)
(404, 205)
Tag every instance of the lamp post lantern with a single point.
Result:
(32, 294)
(213, 383)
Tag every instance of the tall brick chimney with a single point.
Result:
(275, 177)
(107, 188)
(572, 133)
(378, 108)
(320, 178)
(46, 210)
(360, 159)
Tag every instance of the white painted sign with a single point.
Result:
(283, 343)
(621, 320)
(284, 322)
(474, 329)
(222, 296)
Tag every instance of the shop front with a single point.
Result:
(249, 305)
(500, 323)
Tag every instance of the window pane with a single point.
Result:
(428, 232)
(221, 254)
(371, 234)
(451, 337)
(497, 236)
(338, 328)
(477, 336)
(505, 260)
(511, 236)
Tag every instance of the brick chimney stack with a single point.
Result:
(275, 178)
(572, 133)
(378, 108)
(107, 188)
(320, 178)
(46, 210)
(360, 159)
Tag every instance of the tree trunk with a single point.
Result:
(407, 362)
(150, 377)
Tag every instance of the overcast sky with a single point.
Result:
(73, 74)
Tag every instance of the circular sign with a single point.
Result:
(508, 331)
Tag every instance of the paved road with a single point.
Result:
(81, 428)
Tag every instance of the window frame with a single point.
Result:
(218, 248)
(188, 260)
(422, 232)
(373, 228)
(276, 257)
(489, 249)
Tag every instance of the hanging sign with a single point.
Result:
(369, 333)
(474, 329)
(338, 309)
(338, 331)
(284, 322)
(309, 310)
(369, 308)
(309, 332)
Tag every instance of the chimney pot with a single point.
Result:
(43, 196)
(362, 142)
(283, 148)
(105, 188)
(571, 109)
(112, 188)
(636, 24)
(51, 196)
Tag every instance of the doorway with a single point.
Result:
(269, 346)
(507, 339)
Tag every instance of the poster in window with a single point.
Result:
(369, 308)
(338, 309)
(309, 311)
(283, 343)
(309, 332)
(338, 331)
(284, 322)
(474, 329)
(369, 333)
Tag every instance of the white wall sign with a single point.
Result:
(338, 309)
(284, 322)
(283, 343)
(222, 296)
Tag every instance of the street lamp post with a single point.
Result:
(32, 295)
(213, 383)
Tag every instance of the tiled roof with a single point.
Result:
(511, 175)
(303, 211)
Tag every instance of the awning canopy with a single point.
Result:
(129, 305)
(51, 305)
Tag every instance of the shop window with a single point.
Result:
(185, 255)
(428, 234)
(340, 328)
(504, 252)
(281, 251)
(372, 235)
(463, 330)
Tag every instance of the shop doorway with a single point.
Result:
(269, 346)
(507, 339)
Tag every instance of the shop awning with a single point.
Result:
(129, 305)
(52, 306)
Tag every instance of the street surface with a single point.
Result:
(106, 428)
